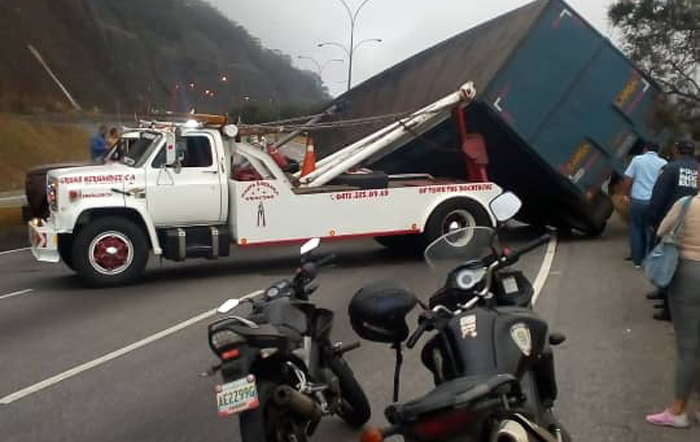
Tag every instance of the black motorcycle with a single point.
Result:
(490, 354)
(281, 372)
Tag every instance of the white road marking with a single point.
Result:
(10, 398)
(545, 268)
(540, 280)
(13, 294)
(7, 252)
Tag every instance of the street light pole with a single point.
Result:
(320, 67)
(350, 50)
(312, 60)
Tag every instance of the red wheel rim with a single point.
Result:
(111, 253)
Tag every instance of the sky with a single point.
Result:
(296, 27)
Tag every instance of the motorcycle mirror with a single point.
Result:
(310, 245)
(505, 206)
(228, 305)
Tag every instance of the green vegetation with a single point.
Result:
(663, 37)
(26, 144)
(130, 55)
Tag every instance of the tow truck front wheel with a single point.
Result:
(110, 251)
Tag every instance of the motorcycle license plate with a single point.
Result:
(237, 396)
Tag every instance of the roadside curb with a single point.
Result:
(10, 216)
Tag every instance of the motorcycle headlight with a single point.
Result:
(272, 292)
(224, 339)
(467, 279)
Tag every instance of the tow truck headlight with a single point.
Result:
(52, 193)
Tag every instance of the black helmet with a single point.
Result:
(378, 312)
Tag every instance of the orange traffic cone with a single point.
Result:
(309, 159)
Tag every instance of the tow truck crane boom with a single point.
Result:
(384, 139)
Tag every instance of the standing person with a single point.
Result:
(112, 138)
(640, 177)
(684, 300)
(98, 144)
(678, 179)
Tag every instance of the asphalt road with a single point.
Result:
(615, 367)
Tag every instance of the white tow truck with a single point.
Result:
(190, 189)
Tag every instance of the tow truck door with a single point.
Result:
(190, 192)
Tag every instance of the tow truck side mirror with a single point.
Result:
(173, 156)
(170, 150)
(505, 206)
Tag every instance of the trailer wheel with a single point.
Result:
(110, 251)
(452, 215)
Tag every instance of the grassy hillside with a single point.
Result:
(121, 55)
(28, 143)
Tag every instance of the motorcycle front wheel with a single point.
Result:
(354, 406)
(269, 423)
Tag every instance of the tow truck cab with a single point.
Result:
(35, 179)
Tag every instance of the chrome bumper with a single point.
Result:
(44, 240)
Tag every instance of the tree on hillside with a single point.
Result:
(663, 38)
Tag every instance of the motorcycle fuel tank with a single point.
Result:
(488, 342)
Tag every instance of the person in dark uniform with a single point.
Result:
(678, 178)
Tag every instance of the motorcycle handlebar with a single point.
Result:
(325, 260)
(307, 273)
(413, 340)
(514, 256)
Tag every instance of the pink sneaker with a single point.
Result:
(667, 419)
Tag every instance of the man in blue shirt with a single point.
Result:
(640, 177)
(98, 144)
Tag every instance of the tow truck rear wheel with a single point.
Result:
(110, 251)
(454, 214)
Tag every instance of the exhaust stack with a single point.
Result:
(301, 405)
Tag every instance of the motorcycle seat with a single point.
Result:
(455, 393)
(264, 335)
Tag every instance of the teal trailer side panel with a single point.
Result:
(574, 99)
(549, 60)
(559, 106)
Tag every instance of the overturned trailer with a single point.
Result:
(558, 110)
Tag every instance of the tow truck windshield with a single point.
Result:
(140, 149)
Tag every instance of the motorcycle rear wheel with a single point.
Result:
(267, 422)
